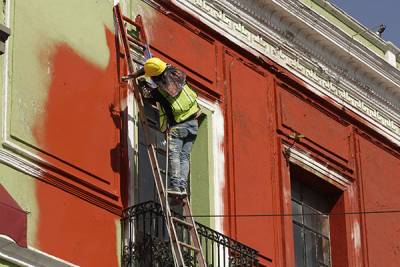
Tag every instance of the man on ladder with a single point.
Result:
(178, 114)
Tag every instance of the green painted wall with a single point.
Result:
(4, 263)
(20, 186)
(201, 180)
(344, 27)
(2, 20)
(37, 30)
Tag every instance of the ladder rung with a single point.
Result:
(182, 222)
(138, 62)
(189, 246)
(133, 46)
(132, 22)
(133, 40)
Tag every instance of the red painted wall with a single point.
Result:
(75, 230)
(77, 139)
(263, 106)
(78, 132)
(380, 179)
(249, 185)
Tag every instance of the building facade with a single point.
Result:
(297, 157)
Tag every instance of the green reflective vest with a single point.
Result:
(183, 105)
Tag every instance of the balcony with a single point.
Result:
(147, 242)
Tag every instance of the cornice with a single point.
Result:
(290, 17)
(330, 62)
(351, 52)
(359, 28)
(354, 62)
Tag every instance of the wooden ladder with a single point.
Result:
(178, 247)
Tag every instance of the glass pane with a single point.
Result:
(323, 251)
(325, 228)
(298, 246)
(316, 221)
(312, 227)
(320, 252)
(311, 218)
(297, 209)
(296, 190)
(311, 252)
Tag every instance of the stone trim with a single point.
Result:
(304, 160)
(11, 252)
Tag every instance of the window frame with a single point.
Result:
(305, 224)
(211, 112)
(345, 250)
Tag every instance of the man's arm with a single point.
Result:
(134, 75)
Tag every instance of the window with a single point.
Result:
(145, 187)
(311, 223)
(201, 174)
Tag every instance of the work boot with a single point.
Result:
(183, 192)
(176, 191)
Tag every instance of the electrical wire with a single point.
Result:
(294, 214)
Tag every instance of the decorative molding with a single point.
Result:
(18, 155)
(345, 50)
(28, 257)
(303, 159)
(31, 168)
(276, 29)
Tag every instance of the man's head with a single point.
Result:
(154, 67)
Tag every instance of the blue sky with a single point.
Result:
(372, 13)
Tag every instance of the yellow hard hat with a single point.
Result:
(154, 66)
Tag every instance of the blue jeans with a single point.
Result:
(181, 139)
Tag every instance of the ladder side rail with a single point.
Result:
(139, 100)
(193, 232)
(175, 243)
(150, 148)
(186, 207)
(142, 34)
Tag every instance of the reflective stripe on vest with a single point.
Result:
(184, 105)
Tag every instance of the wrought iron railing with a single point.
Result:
(147, 244)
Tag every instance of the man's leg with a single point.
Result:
(182, 137)
(185, 160)
(174, 153)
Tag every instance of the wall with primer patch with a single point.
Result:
(60, 143)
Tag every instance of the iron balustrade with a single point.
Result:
(147, 243)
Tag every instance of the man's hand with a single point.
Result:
(133, 75)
